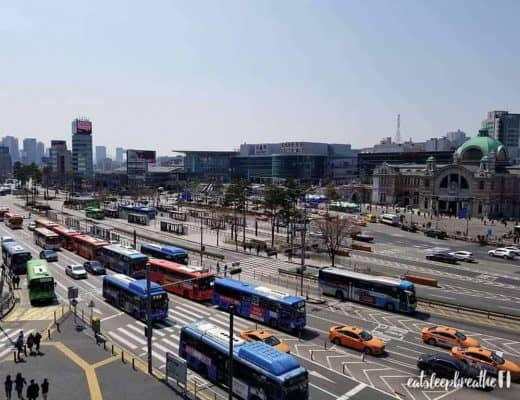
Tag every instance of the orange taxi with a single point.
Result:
(356, 338)
(486, 359)
(261, 335)
(444, 336)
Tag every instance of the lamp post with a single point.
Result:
(230, 378)
(148, 319)
(201, 242)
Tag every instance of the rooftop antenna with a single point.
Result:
(398, 132)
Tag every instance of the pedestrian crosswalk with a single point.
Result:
(166, 333)
(7, 338)
(255, 267)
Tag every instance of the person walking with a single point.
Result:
(19, 345)
(30, 343)
(37, 340)
(33, 390)
(8, 386)
(19, 383)
(45, 388)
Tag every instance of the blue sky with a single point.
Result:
(214, 74)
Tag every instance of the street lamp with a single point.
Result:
(230, 378)
(148, 318)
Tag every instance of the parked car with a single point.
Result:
(503, 253)
(362, 237)
(76, 271)
(94, 267)
(262, 335)
(31, 226)
(49, 255)
(436, 233)
(444, 336)
(409, 227)
(463, 255)
(442, 257)
(445, 366)
(356, 338)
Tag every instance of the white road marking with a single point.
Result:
(352, 392)
(122, 340)
(131, 335)
(323, 390)
(442, 297)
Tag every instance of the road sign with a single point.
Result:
(176, 368)
(463, 212)
(72, 293)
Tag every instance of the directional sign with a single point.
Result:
(72, 292)
(176, 368)
(463, 212)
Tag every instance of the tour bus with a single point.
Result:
(130, 295)
(170, 253)
(379, 291)
(125, 260)
(88, 247)
(15, 257)
(94, 212)
(278, 309)
(184, 280)
(45, 223)
(40, 281)
(3, 211)
(46, 239)
(66, 236)
(13, 221)
(259, 370)
(389, 219)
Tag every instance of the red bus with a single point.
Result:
(13, 221)
(88, 247)
(45, 223)
(3, 211)
(66, 236)
(46, 238)
(184, 280)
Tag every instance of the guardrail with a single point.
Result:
(7, 303)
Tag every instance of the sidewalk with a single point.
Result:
(79, 369)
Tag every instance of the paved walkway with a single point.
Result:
(79, 369)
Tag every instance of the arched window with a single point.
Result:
(444, 182)
(463, 183)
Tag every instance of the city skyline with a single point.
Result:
(298, 71)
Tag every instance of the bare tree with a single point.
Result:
(334, 231)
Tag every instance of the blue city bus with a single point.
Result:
(259, 370)
(125, 260)
(125, 209)
(129, 295)
(170, 253)
(277, 309)
(15, 257)
(380, 291)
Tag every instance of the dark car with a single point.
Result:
(442, 257)
(48, 255)
(94, 267)
(362, 237)
(445, 366)
(409, 227)
(436, 233)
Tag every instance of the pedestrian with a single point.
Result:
(33, 390)
(30, 343)
(19, 382)
(19, 345)
(45, 388)
(37, 340)
(18, 281)
(8, 386)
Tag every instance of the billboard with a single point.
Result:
(83, 126)
(146, 156)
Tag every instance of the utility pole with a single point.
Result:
(230, 377)
(201, 242)
(302, 266)
(149, 319)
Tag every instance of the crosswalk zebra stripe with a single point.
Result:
(178, 318)
(172, 344)
(122, 340)
(183, 311)
(195, 307)
(131, 335)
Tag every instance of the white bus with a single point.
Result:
(47, 239)
(389, 219)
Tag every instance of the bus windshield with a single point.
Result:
(296, 388)
(137, 266)
(21, 257)
(159, 301)
(299, 310)
(42, 284)
(205, 283)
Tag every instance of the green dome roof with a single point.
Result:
(482, 142)
(431, 158)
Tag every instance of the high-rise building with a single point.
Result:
(101, 154)
(12, 143)
(505, 127)
(119, 154)
(82, 148)
(29, 151)
(6, 164)
(60, 159)
(40, 152)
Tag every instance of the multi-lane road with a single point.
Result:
(334, 371)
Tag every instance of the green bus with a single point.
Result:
(40, 282)
(94, 212)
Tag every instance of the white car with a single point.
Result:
(514, 249)
(463, 255)
(76, 271)
(502, 252)
(6, 239)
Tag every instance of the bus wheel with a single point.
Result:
(390, 307)
(339, 295)
(273, 323)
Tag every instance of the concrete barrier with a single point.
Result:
(422, 280)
